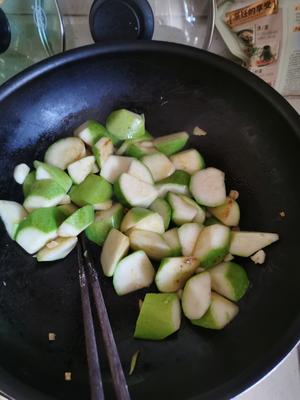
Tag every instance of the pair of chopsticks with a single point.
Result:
(88, 277)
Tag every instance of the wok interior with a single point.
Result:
(247, 138)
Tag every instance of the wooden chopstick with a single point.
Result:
(118, 377)
(96, 386)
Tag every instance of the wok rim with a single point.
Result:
(291, 339)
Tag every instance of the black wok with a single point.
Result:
(253, 135)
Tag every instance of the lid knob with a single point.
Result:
(5, 34)
(121, 20)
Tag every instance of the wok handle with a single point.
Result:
(135, 20)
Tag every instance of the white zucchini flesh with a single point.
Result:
(42, 173)
(140, 171)
(208, 187)
(33, 239)
(200, 215)
(164, 188)
(172, 238)
(189, 161)
(228, 213)
(102, 150)
(221, 311)
(132, 273)
(12, 214)
(65, 151)
(212, 245)
(159, 317)
(134, 192)
(162, 207)
(159, 165)
(20, 173)
(90, 131)
(80, 169)
(114, 166)
(182, 212)
(115, 247)
(244, 244)
(152, 243)
(105, 205)
(95, 169)
(57, 249)
(141, 218)
(173, 272)
(188, 235)
(196, 296)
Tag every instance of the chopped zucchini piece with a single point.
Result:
(12, 214)
(133, 192)
(171, 144)
(152, 243)
(114, 166)
(141, 218)
(159, 165)
(188, 236)
(178, 183)
(182, 212)
(244, 244)
(115, 247)
(125, 124)
(140, 171)
(173, 272)
(212, 245)
(219, 314)
(132, 273)
(230, 280)
(80, 169)
(208, 187)
(189, 161)
(160, 317)
(196, 296)
(162, 207)
(93, 190)
(57, 249)
(90, 132)
(140, 149)
(38, 228)
(172, 238)
(102, 149)
(228, 213)
(103, 223)
(77, 222)
(64, 152)
(44, 193)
